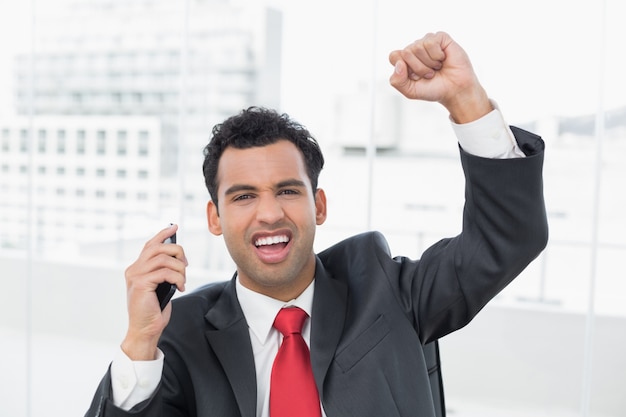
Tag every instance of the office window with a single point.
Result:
(80, 142)
(6, 140)
(121, 173)
(101, 142)
(122, 142)
(143, 143)
(23, 140)
(60, 141)
(80, 172)
(100, 172)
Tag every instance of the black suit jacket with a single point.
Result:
(372, 313)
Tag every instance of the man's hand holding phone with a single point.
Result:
(158, 263)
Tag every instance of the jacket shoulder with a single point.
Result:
(204, 294)
(355, 244)
(356, 254)
(193, 306)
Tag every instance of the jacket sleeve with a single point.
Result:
(504, 229)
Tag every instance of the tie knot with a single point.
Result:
(290, 320)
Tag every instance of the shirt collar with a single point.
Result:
(260, 310)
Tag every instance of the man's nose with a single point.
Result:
(269, 210)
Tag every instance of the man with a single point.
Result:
(211, 353)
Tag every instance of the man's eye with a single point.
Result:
(289, 192)
(242, 197)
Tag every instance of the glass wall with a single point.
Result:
(105, 106)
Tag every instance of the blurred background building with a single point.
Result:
(122, 88)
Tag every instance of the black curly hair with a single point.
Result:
(259, 126)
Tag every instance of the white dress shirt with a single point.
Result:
(135, 381)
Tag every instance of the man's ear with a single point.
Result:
(320, 206)
(213, 218)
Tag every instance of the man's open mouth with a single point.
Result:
(271, 240)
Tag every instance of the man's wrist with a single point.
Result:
(140, 351)
(470, 106)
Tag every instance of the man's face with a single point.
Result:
(268, 215)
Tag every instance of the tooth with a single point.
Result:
(264, 241)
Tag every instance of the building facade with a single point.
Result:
(110, 79)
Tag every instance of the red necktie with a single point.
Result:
(292, 389)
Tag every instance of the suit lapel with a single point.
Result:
(329, 313)
(230, 338)
(231, 343)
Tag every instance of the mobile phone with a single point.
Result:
(165, 291)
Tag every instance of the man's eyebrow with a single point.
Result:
(237, 188)
(291, 183)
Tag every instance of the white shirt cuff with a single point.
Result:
(134, 381)
(488, 137)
